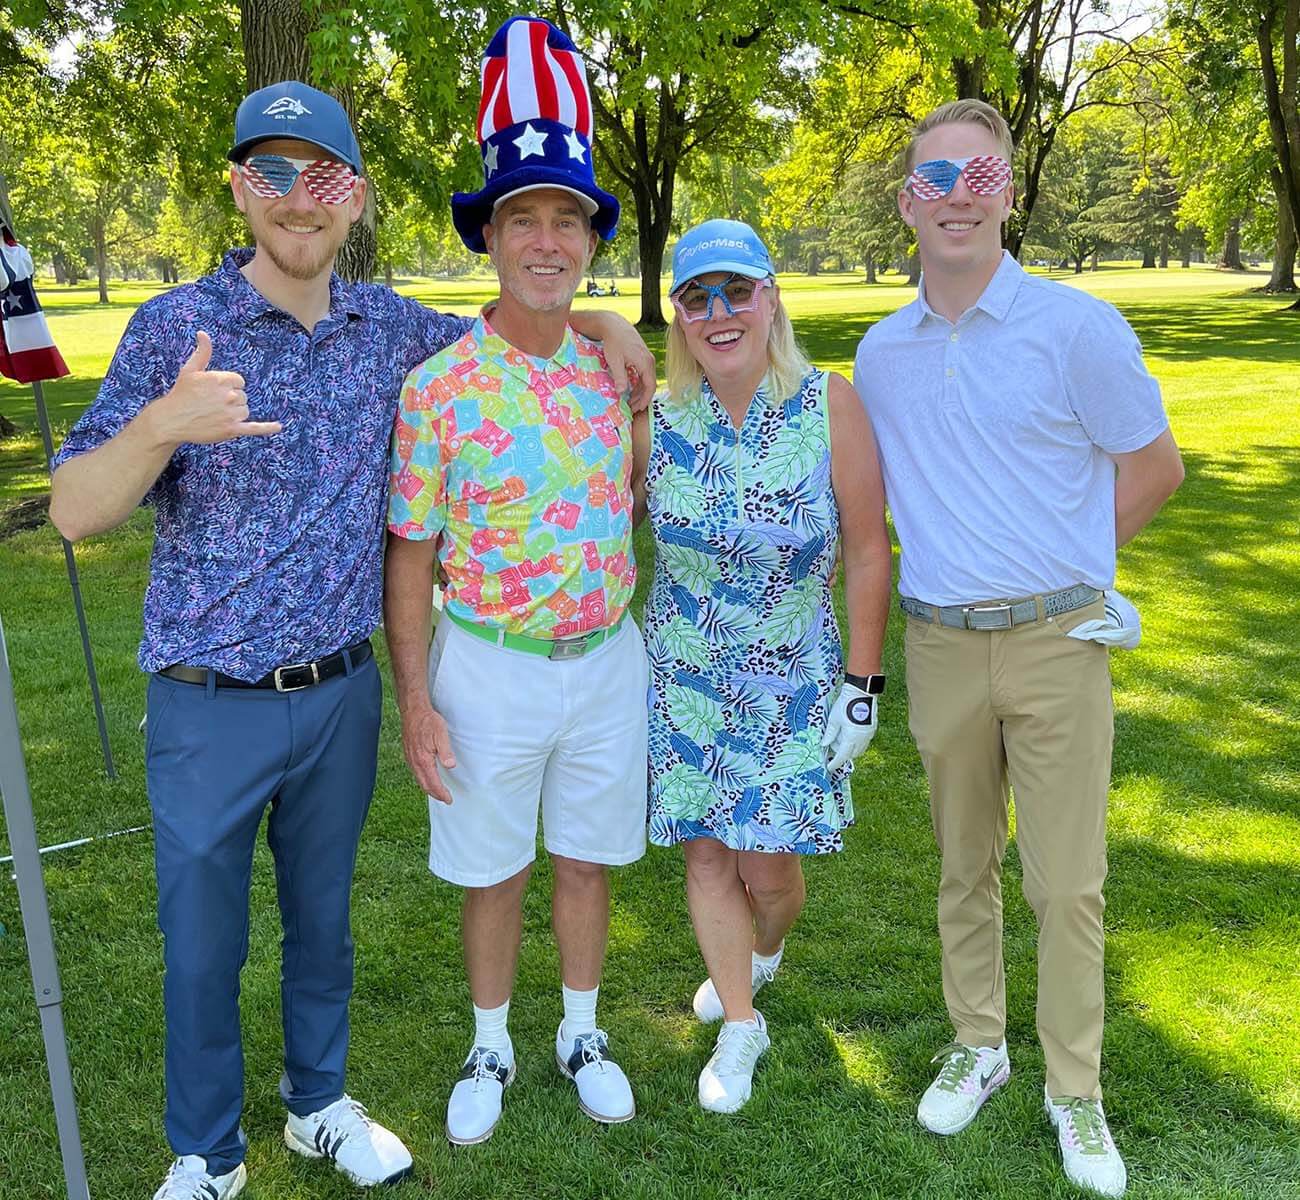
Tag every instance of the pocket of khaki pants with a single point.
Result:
(1095, 610)
(917, 631)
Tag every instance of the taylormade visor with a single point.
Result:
(720, 245)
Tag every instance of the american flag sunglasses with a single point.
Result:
(986, 175)
(273, 175)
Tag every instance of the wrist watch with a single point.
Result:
(873, 685)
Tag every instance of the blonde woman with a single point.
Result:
(755, 470)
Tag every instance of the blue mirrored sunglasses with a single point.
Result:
(738, 293)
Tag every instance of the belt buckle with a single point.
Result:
(281, 686)
(563, 649)
(1004, 609)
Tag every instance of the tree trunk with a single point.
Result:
(1230, 259)
(101, 255)
(1284, 246)
(1078, 261)
(814, 262)
(871, 266)
(388, 273)
(652, 192)
(1018, 223)
(1164, 252)
(1096, 259)
(274, 35)
(653, 237)
(60, 275)
(914, 268)
(1280, 100)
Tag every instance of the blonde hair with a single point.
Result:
(973, 112)
(787, 363)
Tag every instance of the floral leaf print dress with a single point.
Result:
(744, 649)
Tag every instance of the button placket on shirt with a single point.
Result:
(952, 365)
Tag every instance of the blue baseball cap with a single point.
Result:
(293, 110)
(720, 245)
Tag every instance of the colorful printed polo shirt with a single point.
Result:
(523, 467)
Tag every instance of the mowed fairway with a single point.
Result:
(1201, 1070)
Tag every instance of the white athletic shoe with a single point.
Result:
(968, 1077)
(707, 1005)
(188, 1179)
(475, 1105)
(728, 1077)
(359, 1148)
(1087, 1150)
(604, 1093)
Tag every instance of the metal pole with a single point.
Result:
(36, 925)
(43, 418)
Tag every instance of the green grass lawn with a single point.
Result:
(1203, 972)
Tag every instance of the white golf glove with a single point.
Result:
(1122, 627)
(851, 726)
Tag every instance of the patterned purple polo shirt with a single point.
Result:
(268, 550)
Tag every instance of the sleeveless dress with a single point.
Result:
(744, 650)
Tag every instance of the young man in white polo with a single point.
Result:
(511, 470)
(1022, 441)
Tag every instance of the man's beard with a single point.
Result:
(308, 264)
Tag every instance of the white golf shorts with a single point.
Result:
(570, 734)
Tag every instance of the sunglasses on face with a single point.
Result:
(738, 293)
(985, 175)
(273, 175)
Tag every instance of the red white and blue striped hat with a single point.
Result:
(534, 128)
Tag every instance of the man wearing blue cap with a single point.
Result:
(253, 409)
(512, 468)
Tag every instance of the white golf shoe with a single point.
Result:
(475, 1105)
(361, 1149)
(1087, 1150)
(968, 1077)
(728, 1076)
(188, 1179)
(707, 1005)
(604, 1093)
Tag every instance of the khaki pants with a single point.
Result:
(1031, 707)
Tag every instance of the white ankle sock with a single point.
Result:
(490, 1029)
(770, 961)
(579, 1011)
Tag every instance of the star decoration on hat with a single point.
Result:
(489, 159)
(530, 142)
(576, 148)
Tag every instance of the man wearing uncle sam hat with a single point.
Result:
(511, 468)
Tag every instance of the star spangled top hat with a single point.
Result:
(534, 128)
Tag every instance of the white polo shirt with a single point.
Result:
(994, 436)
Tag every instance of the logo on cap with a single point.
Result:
(287, 105)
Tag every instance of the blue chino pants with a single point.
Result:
(215, 759)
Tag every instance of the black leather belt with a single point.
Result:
(292, 677)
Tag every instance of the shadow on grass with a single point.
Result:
(1217, 328)
(1235, 650)
(1168, 328)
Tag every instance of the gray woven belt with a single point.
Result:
(1002, 616)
